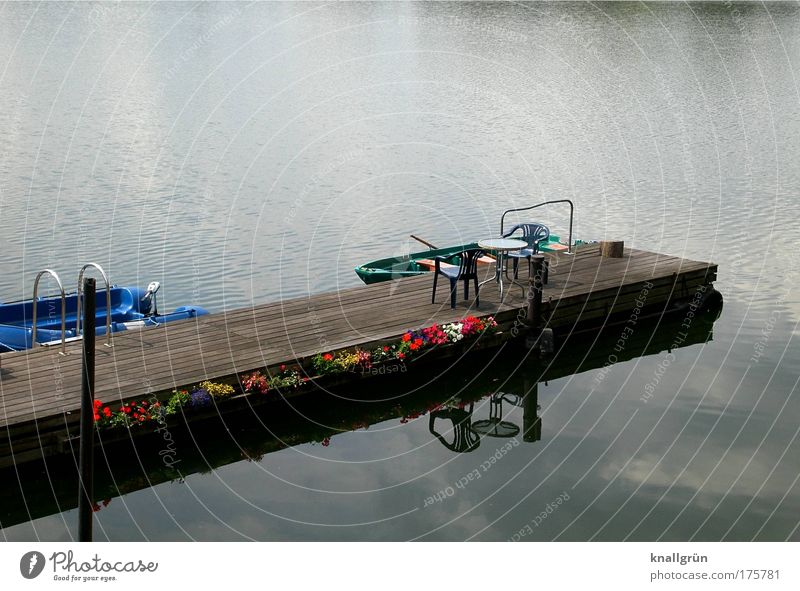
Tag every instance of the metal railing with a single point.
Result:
(54, 275)
(571, 214)
(108, 301)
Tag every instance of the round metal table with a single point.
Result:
(501, 246)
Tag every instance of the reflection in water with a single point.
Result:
(465, 438)
(495, 426)
(532, 422)
(467, 433)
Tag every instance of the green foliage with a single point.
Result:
(178, 399)
(324, 363)
(287, 379)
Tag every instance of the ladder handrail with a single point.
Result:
(54, 275)
(108, 301)
(571, 213)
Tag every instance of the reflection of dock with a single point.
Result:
(40, 389)
(31, 494)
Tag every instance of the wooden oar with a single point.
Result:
(425, 242)
(484, 260)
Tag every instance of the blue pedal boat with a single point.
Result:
(57, 320)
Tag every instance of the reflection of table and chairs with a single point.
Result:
(464, 438)
(495, 426)
(464, 435)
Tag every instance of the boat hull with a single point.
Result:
(404, 266)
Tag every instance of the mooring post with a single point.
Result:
(535, 287)
(86, 453)
(614, 249)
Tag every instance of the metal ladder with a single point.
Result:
(108, 301)
(54, 275)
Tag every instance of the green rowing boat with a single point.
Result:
(419, 263)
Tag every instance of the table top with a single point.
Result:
(502, 244)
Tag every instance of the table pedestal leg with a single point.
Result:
(501, 259)
(496, 277)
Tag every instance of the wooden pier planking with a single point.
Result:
(220, 346)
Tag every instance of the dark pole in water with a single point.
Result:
(531, 421)
(86, 454)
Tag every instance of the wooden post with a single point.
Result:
(612, 248)
(534, 315)
(86, 450)
(535, 287)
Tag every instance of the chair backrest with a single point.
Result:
(469, 262)
(532, 233)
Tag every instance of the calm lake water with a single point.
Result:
(240, 153)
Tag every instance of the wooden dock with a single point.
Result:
(40, 389)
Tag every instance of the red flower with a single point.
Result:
(126, 409)
(144, 403)
(136, 415)
(406, 337)
(97, 404)
(96, 417)
(141, 418)
(386, 349)
(107, 412)
(282, 368)
(401, 355)
(327, 357)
